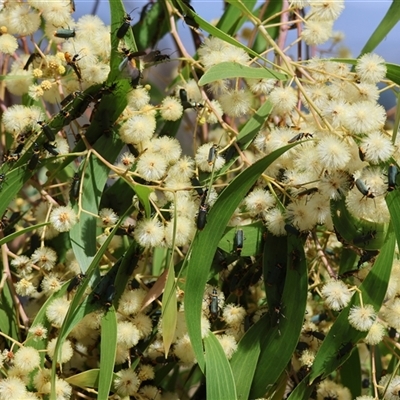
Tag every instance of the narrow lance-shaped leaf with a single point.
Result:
(206, 242)
(227, 70)
(108, 349)
(219, 378)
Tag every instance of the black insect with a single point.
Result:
(366, 256)
(72, 62)
(392, 333)
(214, 307)
(365, 383)
(197, 186)
(361, 153)
(202, 215)
(277, 315)
(129, 56)
(75, 282)
(231, 152)
(347, 274)
(33, 162)
(295, 259)
(238, 241)
(307, 192)
(100, 290)
(302, 346)
(366, 192)
(220, 258)
(126, 24)
(51, 148)
(212, 154)
(344, 349)
(64, 33)
(30, 60)
(316, 319)
(47, 131)
(12, 157)
(74, 191)
(316, 334)
(189, 19)
(2, 180)
(339, 236)
(109, 296)
(155, 56)
(66, 116)
(365, 238)
(300, 136)
(72, 96)
(185, 102)
(292, 230)
(20, 146)
(107, 89)
(392, 175)
(257, 272)
(124, 231)
(135, 80)
(275, 274)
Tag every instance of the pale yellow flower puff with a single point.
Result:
(63, 218)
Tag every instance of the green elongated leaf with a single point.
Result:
(86, 379)
(302, 391)
(83, 233)
(252, 127)
(227, 70)
(393, 203)
(219, 377)
(385, 26)
(206, 241)
(143, 194)
(350, 374)
(152, 25)
(244, 360)
(252, 239)
(361, 233)
(169, 310)
(272, 8)
(347, 259)
(233, 19)
(14, 235)
(159, 260)
(117, 17)
(274, 268)
(12, 184)
(8, 313)
(240, 6)
(279, 342)
(393, 72)
(373, 289)
(108, 351)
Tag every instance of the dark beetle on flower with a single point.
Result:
(126, 24)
